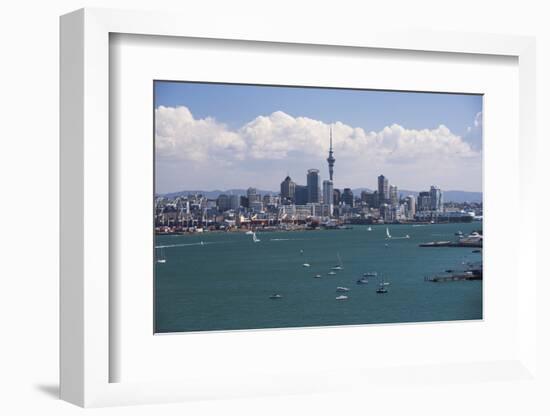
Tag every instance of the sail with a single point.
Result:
(388, 232)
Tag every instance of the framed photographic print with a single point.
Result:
(279, 213)
(274, 206)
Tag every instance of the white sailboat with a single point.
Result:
(161, 258)
(340, 265)
(388, 235)
(382, 286)
(369, 229)
(254, 238)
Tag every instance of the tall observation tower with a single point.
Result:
(330, 158)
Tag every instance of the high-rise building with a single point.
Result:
(301, 195)
(424, 202)
(411, 206)
(328, 194)
(436, 199)
(370, 198)
(234, 201)
(347, 197)
(313, 185)
(223, 203)
(337, 197)
(288, 191)
(383, 190)
(394, 199)
(252, 195)
(330, 158)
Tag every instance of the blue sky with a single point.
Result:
(227, 110)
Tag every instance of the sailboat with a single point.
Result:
(369, 229)
(254, 238)
(161, 258)
(382, 286)
(388, 235)
(340, 265)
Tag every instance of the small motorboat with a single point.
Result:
(382, 289)
(332, 273)
(306, 265)
(363, 281)
(276, 296)
(370, 274)
(342, 297)
(342, 289)
(317, 276)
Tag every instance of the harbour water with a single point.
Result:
(223, 281)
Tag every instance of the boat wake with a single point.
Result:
(287, 239)
(200, 243)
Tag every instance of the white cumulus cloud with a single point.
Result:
(273, 144)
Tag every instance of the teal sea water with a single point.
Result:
(223, 281)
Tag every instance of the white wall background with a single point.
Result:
(29, 204)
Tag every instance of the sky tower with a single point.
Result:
(330, 158)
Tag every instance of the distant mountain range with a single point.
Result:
(448, 196)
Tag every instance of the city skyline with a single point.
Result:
(261, 152)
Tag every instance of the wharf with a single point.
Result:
(473, 275)
(451, 244)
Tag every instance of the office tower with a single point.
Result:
(288, 191)
(383, 190)
(252, 195)
(411, 206)
(337, 197)
(436, 199)
(223, 202)
(347, 197)
(424, 202)
(328, 194)
(301, 195)
(313, 185)
(394, 199)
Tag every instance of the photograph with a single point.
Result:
(281, 206)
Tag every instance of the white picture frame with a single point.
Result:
(86, 301)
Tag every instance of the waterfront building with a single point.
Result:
(347, 197)
(394, 199)
(256, 206)
(436, 199)
(270, 200)
(383, 190)
(313, 185)
(301, 195)
(303, 212)
(328, 195)
(330, 158)
(288, 191)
